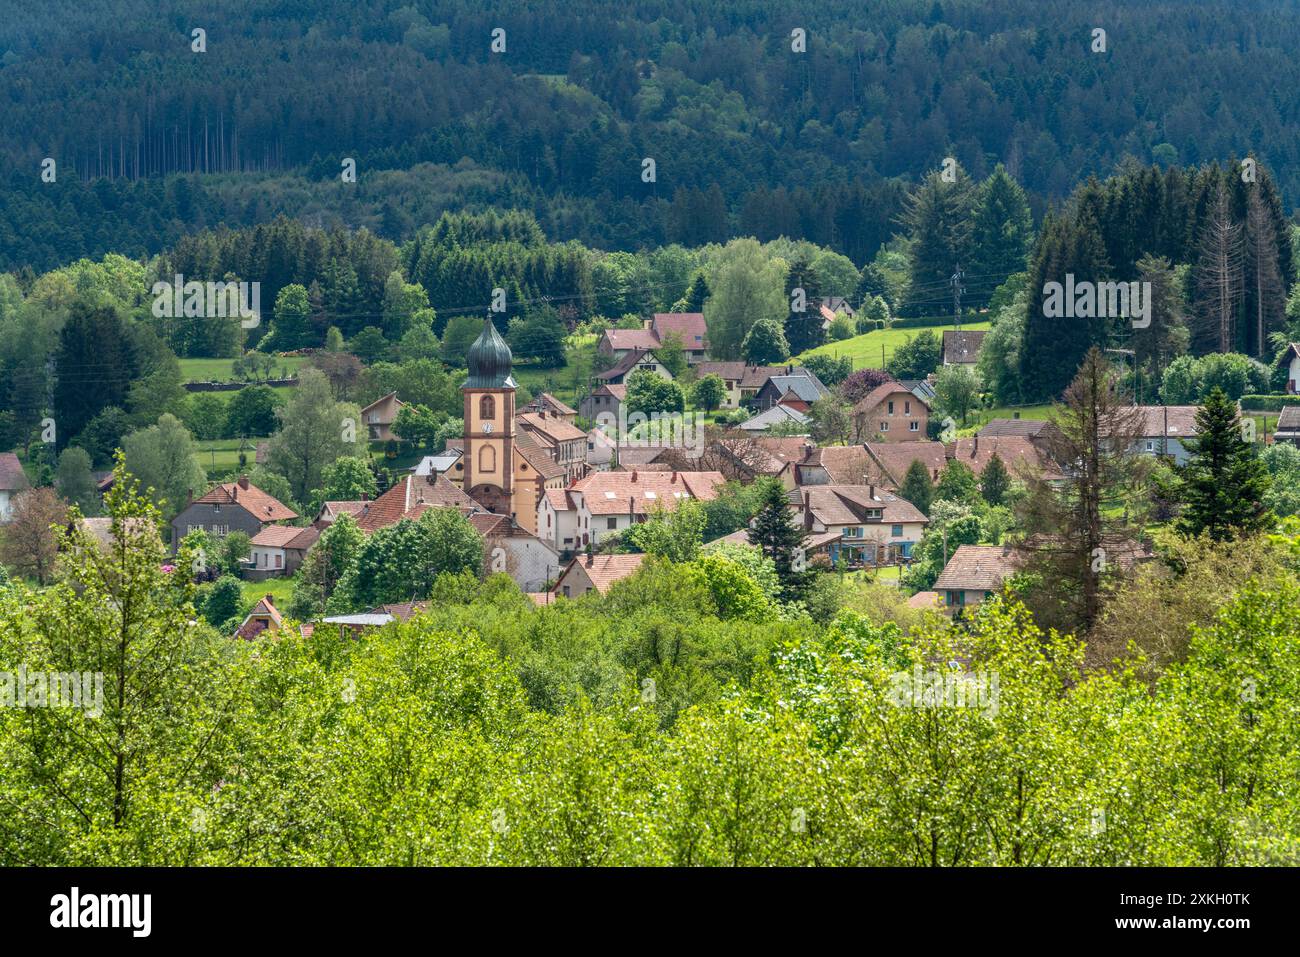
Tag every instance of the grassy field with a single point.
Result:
(220, 456)
(280, 590)
(218, 370)
(873, 349)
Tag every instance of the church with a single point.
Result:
(505, 471)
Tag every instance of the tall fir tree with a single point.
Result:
(995, 481)
(917, 487)
(938, 222)
(803, 329)
(780, 539)
(1224, 483)
(1001, 234)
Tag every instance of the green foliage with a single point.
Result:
(673, 535)
(1224, 484)
(709, 392)
(165, 460)
(916, 358)
(251, 411)
(222, 601)
(74, 481)
(957, 483)
(995, 481)
(649, 393)
(399, 562)
(765, 344)
(774, 532)
(917, 487)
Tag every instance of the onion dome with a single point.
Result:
(489, 360)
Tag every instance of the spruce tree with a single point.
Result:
(916, 487)
(995, 481)
(780, 539)
(1224, 483)
(1002, 232)
(803, 330)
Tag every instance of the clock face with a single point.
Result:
(487, 427)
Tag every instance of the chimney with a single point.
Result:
(591, 559)
(977, 444)
(634, 475)
(189, 497)
(674, 478)
(365, 496)
(1015, 415)
(871, 492)
(270, 599)
(807, 511)
(243, 482)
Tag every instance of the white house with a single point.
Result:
(12, 481)
(861, 524)
(607, 503)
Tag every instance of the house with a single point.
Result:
(329, 511)
(600, 450)
(230, 507)
(926, 601)
(606, 503)
(832, 465)
(410, 497)
(1165, 430)
(545, 402)
(974, 573)
(832, 306)
(687, 326)
(921, 388)
(961, 347)
(1018, 453)
(891, 413)
(777, 415)
(1029, 428)
(750, 456)
(446, 463)
(380, 415)
(893, 459)
(1292, 360)
(100, 529)
(1288, 425)
(604, 400)
(530, 562)
(798, 391)
(595, 573)
(278, 550)
(631, 362)
(564, 443)
(859, 524)
(12, 481)
(652, 458)
(264, 618)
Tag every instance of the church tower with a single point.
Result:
(489, 422)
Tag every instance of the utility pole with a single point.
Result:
(957, 290)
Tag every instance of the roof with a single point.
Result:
(617, 391)
(1026, 427)
(275, 536)
(689, 325)
(962, 345)
(264, 609)
(402, 611)
(305, 538)
(552, 426)
(536, 457)
(548, 401)
(977, 451)
(437, 463)
(777, 415)
(804, 387)
(978, 568)
(489, 360)
(410, 497)
(895, 458)
(625, 365)
(634, 339)
(559, 499)
(763, 454)
(1181, 421)
(882, 392)
(629, 455)
(841, 465)
(381, 400)
(603, 570)
(248, 496)
(12, 476)
(924, 599)
(731, 371)
(848, 504)
(101, 528)
(485, 523)
(541, 598)
(608, 493)
(1289, 420)
(364, 620)
(333, 510)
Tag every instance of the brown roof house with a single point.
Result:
(278, 550)
(12, 481)
(1288, 425)
(891, 413)
(689, 327)
(264, 618)
(380, 415)
(976, 572)
(859, 524)
(595, 573)
(603, 404)
(961, 347)
(230, 507)
(563, 442)
(633, 361)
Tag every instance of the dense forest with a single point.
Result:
(152, 138)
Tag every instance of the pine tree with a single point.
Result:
(698, 294)
(775, 533)
(803, 330)
(916, 487)
(938, 221)
(1002, 233)
(1266, 284)
(995, 481)
(1219, 274)
(1225, 482)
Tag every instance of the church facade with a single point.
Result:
(505, 471)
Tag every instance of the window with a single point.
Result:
(896, 531)
(611, 523)
(487, 407)
(278, 559)
(566, 591)
(914, 426)
(891, 407)
(907, 407)
(487, 457)
(1151, 446)
(884, 426)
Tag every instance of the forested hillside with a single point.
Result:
(748, 136)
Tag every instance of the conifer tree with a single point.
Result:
(780, 539)
(916, 487)
(1225, 482)
(995, 481)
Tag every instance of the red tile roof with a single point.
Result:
(12, 477)
(978, 568)
(603, 570)
(611, 493)
(551, 426)
(883, 391)
(275, 536)
(895, 458)
(963, 346)
(634, 339)
(410, 497)
(689, 325)
(1017, 452)
(255, 623)
(243, 493)
(537, 457)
